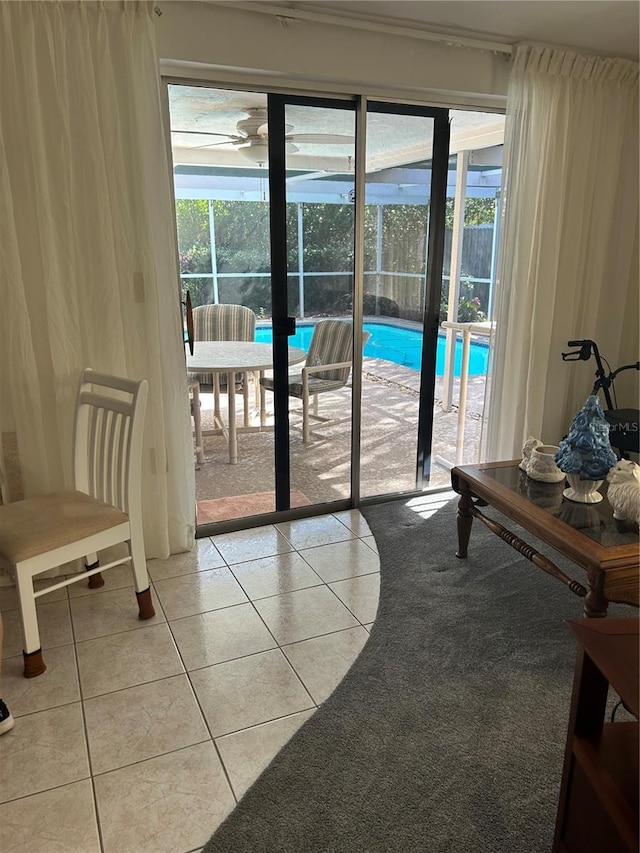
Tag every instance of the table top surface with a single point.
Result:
(223, 356)
(541, 508)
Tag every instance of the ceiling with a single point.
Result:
(609, 27)
(211, 116)
(204, 124)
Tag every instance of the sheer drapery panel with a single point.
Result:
(87, 245)
(568, 257)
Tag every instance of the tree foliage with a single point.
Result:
(242, 250)
(477, 211)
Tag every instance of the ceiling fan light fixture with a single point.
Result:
(257, 151)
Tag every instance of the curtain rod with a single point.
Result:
(287, 14)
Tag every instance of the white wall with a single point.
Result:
(233, 42)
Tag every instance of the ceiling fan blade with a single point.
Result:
(206, 133)
(321, 138)
(212, 145)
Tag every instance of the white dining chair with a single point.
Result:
(102, 510)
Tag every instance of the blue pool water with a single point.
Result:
(396, 344)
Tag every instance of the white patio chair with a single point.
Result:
(327, 368)
(103, 509)
(221, 322)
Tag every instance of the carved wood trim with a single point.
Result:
(527, 551)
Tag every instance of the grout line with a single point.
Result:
(150, 758)
(186, 672)
(313, 707)
(204, 717)
(45, 790)
(96, 811)
(267, 722)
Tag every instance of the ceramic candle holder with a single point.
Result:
(541, 465)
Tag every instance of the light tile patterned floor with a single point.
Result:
(141, 736)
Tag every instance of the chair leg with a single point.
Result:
(245, 398)
(263, 401)
(256, 389)
(145, 604)
(141, 580)
(91, 561)
(216, 398)
(33, 664)
(308, 404)
(197, 421)
(305, 418)
(32, 653)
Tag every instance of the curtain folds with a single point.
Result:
(568, 257)
(87, 245)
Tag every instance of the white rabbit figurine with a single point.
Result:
(529, 445)
(624, 490)
(538, 461)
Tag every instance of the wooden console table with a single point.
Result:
(598, 805)
(587, 534)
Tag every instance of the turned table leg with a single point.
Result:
(595, 604)
(464, 522)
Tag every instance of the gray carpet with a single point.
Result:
(448, 732)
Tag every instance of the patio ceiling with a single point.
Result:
(204, 124)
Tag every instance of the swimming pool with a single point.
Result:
(397, 344)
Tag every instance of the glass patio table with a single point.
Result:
(231, 357)
(608, 550)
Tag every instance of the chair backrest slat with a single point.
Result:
(111, 458)
(123, 469)
(108, 434)
(100, 453)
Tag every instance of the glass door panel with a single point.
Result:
(471, 245)
(320, 157)
(397, 198)
(221, 184)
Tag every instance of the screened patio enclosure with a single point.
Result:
(220, 209)
(223, 219)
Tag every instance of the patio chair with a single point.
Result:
(102, 510)
(218, 323)
(327, 368)
(222, 323)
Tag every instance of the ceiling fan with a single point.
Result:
(252, 137)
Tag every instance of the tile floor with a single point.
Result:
(141, 736)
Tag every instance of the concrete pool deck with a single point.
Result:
(321, 469)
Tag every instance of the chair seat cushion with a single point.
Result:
(316, 386)
(34, 526)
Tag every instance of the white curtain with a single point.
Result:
(568, 265)
(87, 244)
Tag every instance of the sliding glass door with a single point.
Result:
(312, 169)
(325, 218)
